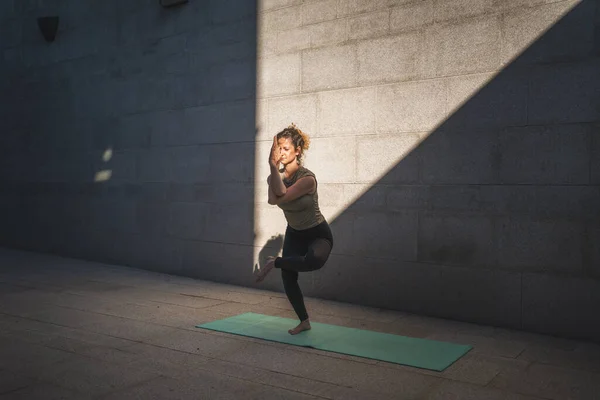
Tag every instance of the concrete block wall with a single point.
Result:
(130, 138)
(455, 144)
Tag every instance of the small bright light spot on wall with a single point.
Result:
(107, 155)
(104, 175)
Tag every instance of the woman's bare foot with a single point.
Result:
(303, 326)
(266, 269)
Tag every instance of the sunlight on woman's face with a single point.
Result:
(288, 152)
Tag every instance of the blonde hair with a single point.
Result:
(298, 138)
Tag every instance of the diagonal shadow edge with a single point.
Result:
(444, 234)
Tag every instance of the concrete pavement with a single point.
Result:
(72, 329)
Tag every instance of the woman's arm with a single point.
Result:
(272, 195)
(275, 182)
(302, 186)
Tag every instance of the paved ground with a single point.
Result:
(79, 330)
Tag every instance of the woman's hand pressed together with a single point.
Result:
(275, 155)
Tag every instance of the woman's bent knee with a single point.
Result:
(314, 262)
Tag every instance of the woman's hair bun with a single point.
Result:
(305, 138)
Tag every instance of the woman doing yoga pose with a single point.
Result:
(308, 238)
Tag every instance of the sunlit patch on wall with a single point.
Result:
(393, 117)
(105, 174)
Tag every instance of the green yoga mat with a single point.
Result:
(420, 353)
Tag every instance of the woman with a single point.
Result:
(308, 239)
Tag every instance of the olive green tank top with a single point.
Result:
(303, 212)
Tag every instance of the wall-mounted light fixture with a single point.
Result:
(171, 3)
(48, 26)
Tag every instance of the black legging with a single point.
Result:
(305, 250)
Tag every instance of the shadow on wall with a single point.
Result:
(138, 148)
(494, 217)
(272, 248)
